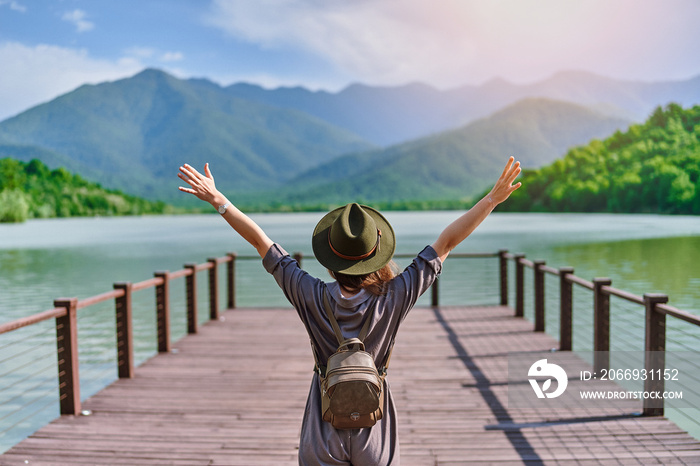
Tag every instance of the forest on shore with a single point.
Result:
(32, 190)
(653, 167)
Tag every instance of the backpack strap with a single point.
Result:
(350, 342)
(385, 367)
(365, 328)
(336, 328)
(319, 368)
(331, 317)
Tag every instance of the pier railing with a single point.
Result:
(655, 306)
(65, 312)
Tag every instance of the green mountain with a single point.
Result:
(652, 167)
(452, 165)
(32, 190)
(132, 135)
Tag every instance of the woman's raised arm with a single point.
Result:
(204, 188)
(457, 231)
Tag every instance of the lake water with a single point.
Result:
(45, 259)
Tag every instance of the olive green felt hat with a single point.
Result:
(354, 240)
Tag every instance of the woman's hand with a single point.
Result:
(504, 187)
(460, 229)
(202, 186)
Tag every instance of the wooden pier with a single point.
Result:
(233, 391)
(234, 394)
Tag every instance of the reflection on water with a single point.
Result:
(663, 265)
(45, 259)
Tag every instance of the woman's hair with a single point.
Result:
(374, 282)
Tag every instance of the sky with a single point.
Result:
(50, 47)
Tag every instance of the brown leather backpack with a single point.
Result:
(352, 389)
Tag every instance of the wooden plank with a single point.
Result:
(225, 398)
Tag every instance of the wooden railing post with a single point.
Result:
(503, 267)
(67, 352)
(191, 298)
(298, 257)
(601, 325)
(163, 312)
(231, 280)
(539, 295)
(125, 339)
(435, 293)
(655, 350)
(213, 289)
(566, 309)
(519, 286)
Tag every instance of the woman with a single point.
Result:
(356, 244)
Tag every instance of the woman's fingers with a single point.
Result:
(510, 172)
(514, 173)
(201, 186)
(508, 166)
(184, 178)
(504, 186)
(512, 176)
(514, 169)
(190, 172)
(192, 176)
(187, 179)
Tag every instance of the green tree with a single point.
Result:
(13, 206)
(32, 190)
(651, 167)
(12, 175)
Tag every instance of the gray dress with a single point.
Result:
(321, 443)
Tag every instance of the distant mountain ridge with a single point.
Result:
(455, 164)
(390, 115)
(383, 115)
(295, 146)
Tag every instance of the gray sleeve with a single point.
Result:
(415, 280)
(301, 289)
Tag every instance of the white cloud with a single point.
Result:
(172, 56)
(382, 42)
(14, 5)
(149, 53)
(77, 17)
(452, 42)
(140, 52)
(32, 75)
(273, 81)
